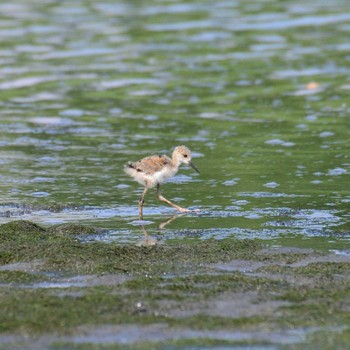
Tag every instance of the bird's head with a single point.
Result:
(182, 154)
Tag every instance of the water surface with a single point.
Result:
(258, 91)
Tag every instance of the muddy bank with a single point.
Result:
(59, 292)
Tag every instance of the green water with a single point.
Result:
(258, 91)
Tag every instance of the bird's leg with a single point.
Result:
(141, 201)
(163, 199)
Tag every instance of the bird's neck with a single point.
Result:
(176, 161)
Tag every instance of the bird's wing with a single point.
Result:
(151, 165)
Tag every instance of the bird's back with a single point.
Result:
(151, 170)
(153, 164)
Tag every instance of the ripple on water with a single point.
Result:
(326, 134)
(337, 172)
(283, 22)
(269, 195)
(324, 70)
(39, 194)
(94, 51)
(278, 142)
(26, 82)
(56, 121)
(72, 112)
(42, 96)
(271, 184)
(114, 84)
(180, 26)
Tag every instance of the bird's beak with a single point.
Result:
(194, 167)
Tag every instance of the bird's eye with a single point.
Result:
(185, 155)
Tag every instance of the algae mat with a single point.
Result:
(58, 292)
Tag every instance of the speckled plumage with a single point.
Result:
(151, 170)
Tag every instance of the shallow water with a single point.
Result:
(258, 90)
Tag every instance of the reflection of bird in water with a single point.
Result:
(152, 171)
(149, 240)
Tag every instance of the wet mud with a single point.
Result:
(59, 292)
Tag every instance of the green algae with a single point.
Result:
(173, 284)
(168, 345)
(20, 231)
(23, 240)
(17, 277)
(39, 310)
(73, 229)
(65, 255)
